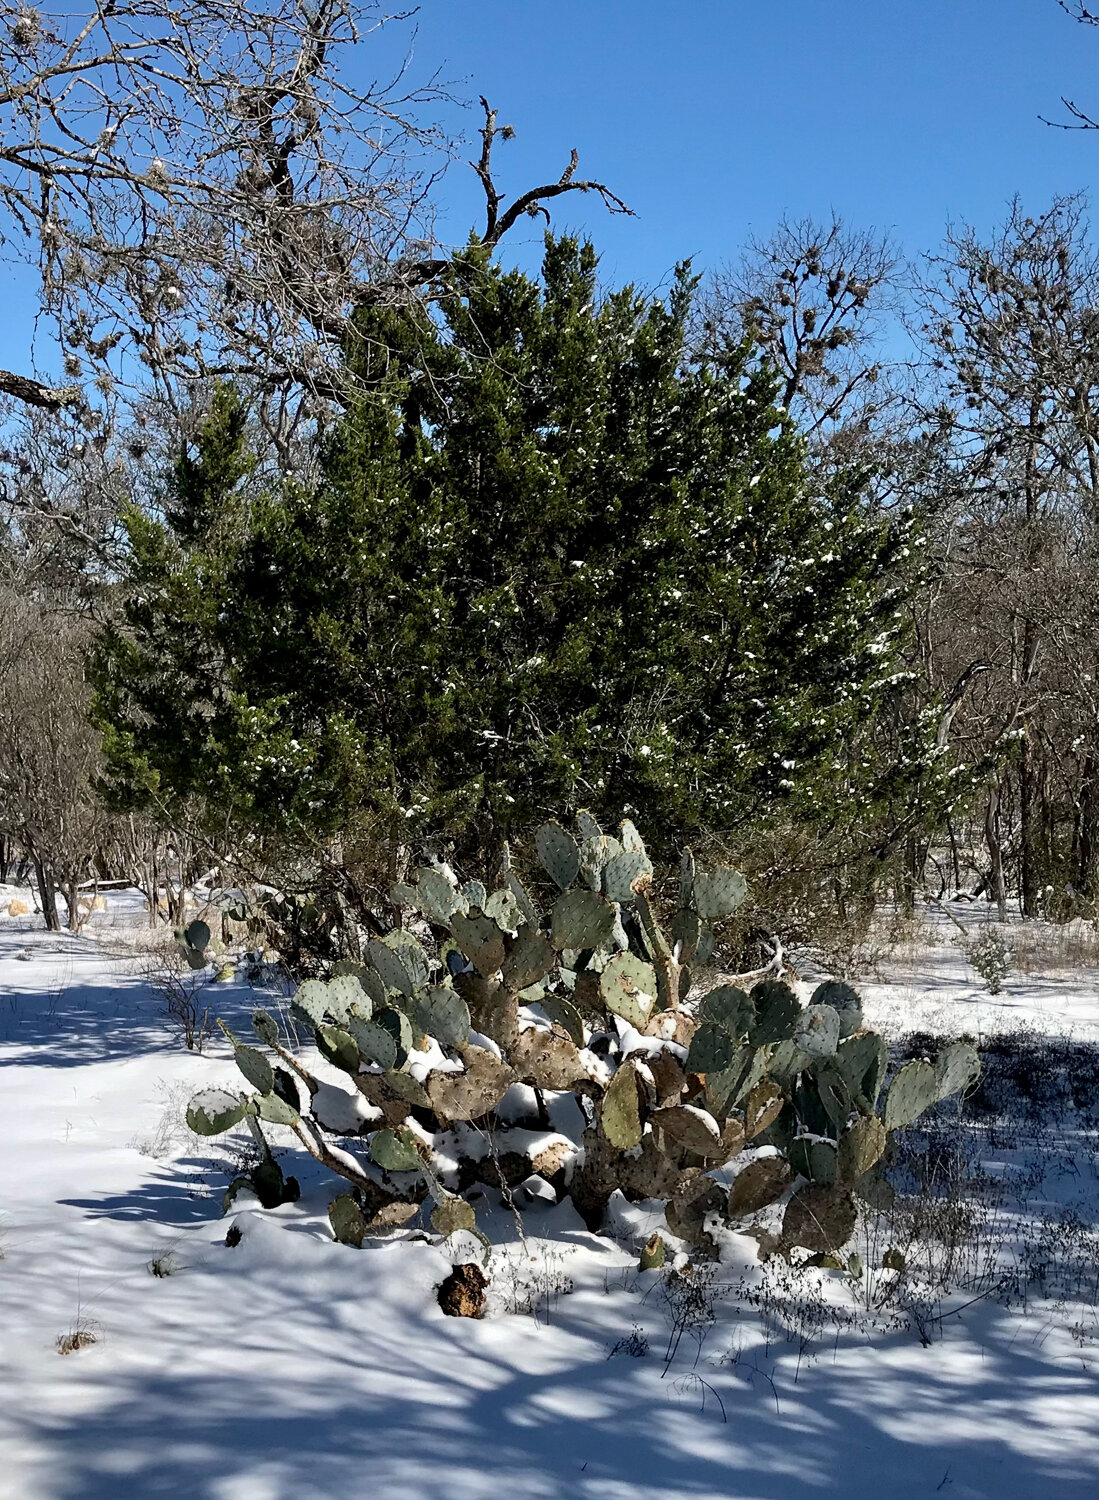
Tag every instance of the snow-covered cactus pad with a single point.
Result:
(581, 976)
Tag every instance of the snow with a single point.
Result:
(290, 1366)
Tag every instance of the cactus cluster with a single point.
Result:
(594, 995)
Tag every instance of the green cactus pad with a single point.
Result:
(589, 828)
(810, 1108)
(345, 991)
(712, 1050)
(276, 1110)
(436, 897)
(625, 874)
(312, 999)
(786, 1061)
(957, 1068)
(481, 941)
(530, 957)
(581, 919)
(843, 999)
(777, 1012)
(504, 910)
(346, 1219)
(620, 1117)
(338, 1046)
(197, 936)
(523, 899)
(860, 1147)
(390, 967)
(410, 951)
(255, 1067)
(214, 1111)
(818, 1031)
(559, 854)
(727, 1086)
(628, 988)
(730, 1008)
(716, 894)
(862, 1060)
(594, 853)
(452, 1215)
(835, 1094)
(375, 1042)
(914, 1089)
(814, 1158)
(400, 1029)
(395, 1151)
(266, 1027)
(441, 1013)
(564, 1014)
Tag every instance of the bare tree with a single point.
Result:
(206, 195)
(49, 753)
(812, 297)
(1080, 118)
(1012, 327)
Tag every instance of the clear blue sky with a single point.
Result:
(712, 118)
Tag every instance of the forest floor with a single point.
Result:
(293, 1366)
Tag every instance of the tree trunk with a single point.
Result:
(1089, 828)
(995, 853)
(47, 892)
(1030, 832)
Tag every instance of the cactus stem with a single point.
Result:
(663, 958)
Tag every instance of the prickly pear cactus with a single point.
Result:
(578, 981)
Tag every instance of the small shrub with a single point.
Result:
(991, 954)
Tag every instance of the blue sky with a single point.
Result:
(713, 118)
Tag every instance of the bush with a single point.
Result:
(991, 955)
(591, 998)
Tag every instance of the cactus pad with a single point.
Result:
(729, 1008)
(395, 1151)
(758, 1184)
(842, 998)
(214, 1111)
(581, 919)
(559, 854)
(717, 893)
(628, 988)
(860, 1147)
(620, 1117)
(255, 1067)
(914, 1089)
(957, 1068)
(777, 1010)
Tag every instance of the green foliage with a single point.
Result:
(548, 557)
(431, 1050)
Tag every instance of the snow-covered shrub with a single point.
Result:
(990, 953)
(438, 1031)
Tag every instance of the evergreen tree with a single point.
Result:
(550, 561)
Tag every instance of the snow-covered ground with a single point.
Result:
(290, 1367)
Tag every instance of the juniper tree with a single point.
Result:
(549, 561)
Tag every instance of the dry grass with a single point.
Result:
(1047, 948)
(80, 1336)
